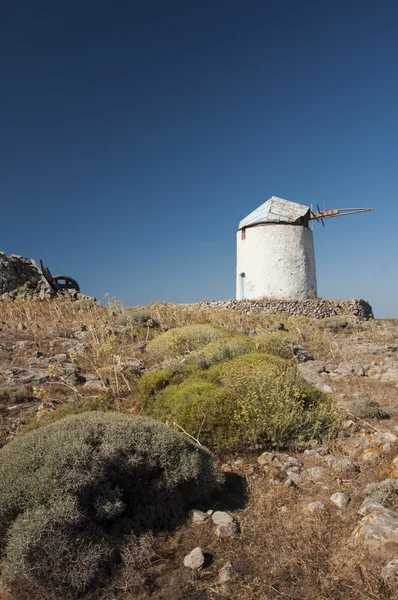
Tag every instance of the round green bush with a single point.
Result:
(71, 493)
(152, 382)
(203, 410)
(279, 343)
(179, 342)
(221, 350)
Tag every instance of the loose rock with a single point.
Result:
(340, 500)
(390, 572)
(221, 518)
(224, 574)
(195, 559)
(197, 516)
(377, 528)
(225, 530)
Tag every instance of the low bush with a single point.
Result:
(14, 394)
(221, 350)
(279, 343)
(179, 342)
(367, 409)
(254, 400)
(276, 407)
(203, 410)
(73, 492)
(254, 363)
(152, 382)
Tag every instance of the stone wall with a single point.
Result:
(318, 309)
(21, 278)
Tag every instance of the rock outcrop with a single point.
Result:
(21, 278)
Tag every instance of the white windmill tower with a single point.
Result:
(275, 250)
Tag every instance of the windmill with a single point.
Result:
(275, 249)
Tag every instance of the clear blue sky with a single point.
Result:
(136, 135)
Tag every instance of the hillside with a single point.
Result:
(300, 416)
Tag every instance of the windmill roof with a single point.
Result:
(275, 210)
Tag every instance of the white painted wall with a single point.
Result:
(278, 262)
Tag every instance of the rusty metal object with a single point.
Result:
(59, 282)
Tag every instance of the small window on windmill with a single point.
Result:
(243, 234)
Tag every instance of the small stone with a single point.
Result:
(340, 464)
(340, 500)
(265, 458)
(315, 506)
(369, 455)
(221, 518)
(316, 473)
(292, 478)
(197, 516)
(195, 559)
(224, 574)
(389, 573)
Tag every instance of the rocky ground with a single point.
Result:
(322, 524)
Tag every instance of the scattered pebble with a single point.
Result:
(224, 574)
(316, 473)
(197, 516)
(195, 559)
(340, 500)
(221, 518)
(224, 530)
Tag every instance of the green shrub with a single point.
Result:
(367, 409)
(180, 342)
(150, 384)
(253, 400)
(14, 394)
(276, 406)
(253, 363)
(221, 350)
(203, 410)
(279, 343)
(71, 494)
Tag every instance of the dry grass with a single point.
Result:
(280, 553)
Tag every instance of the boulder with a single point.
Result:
(311, 372)
(377, 528)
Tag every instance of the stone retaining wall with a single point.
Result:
(318, 309)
